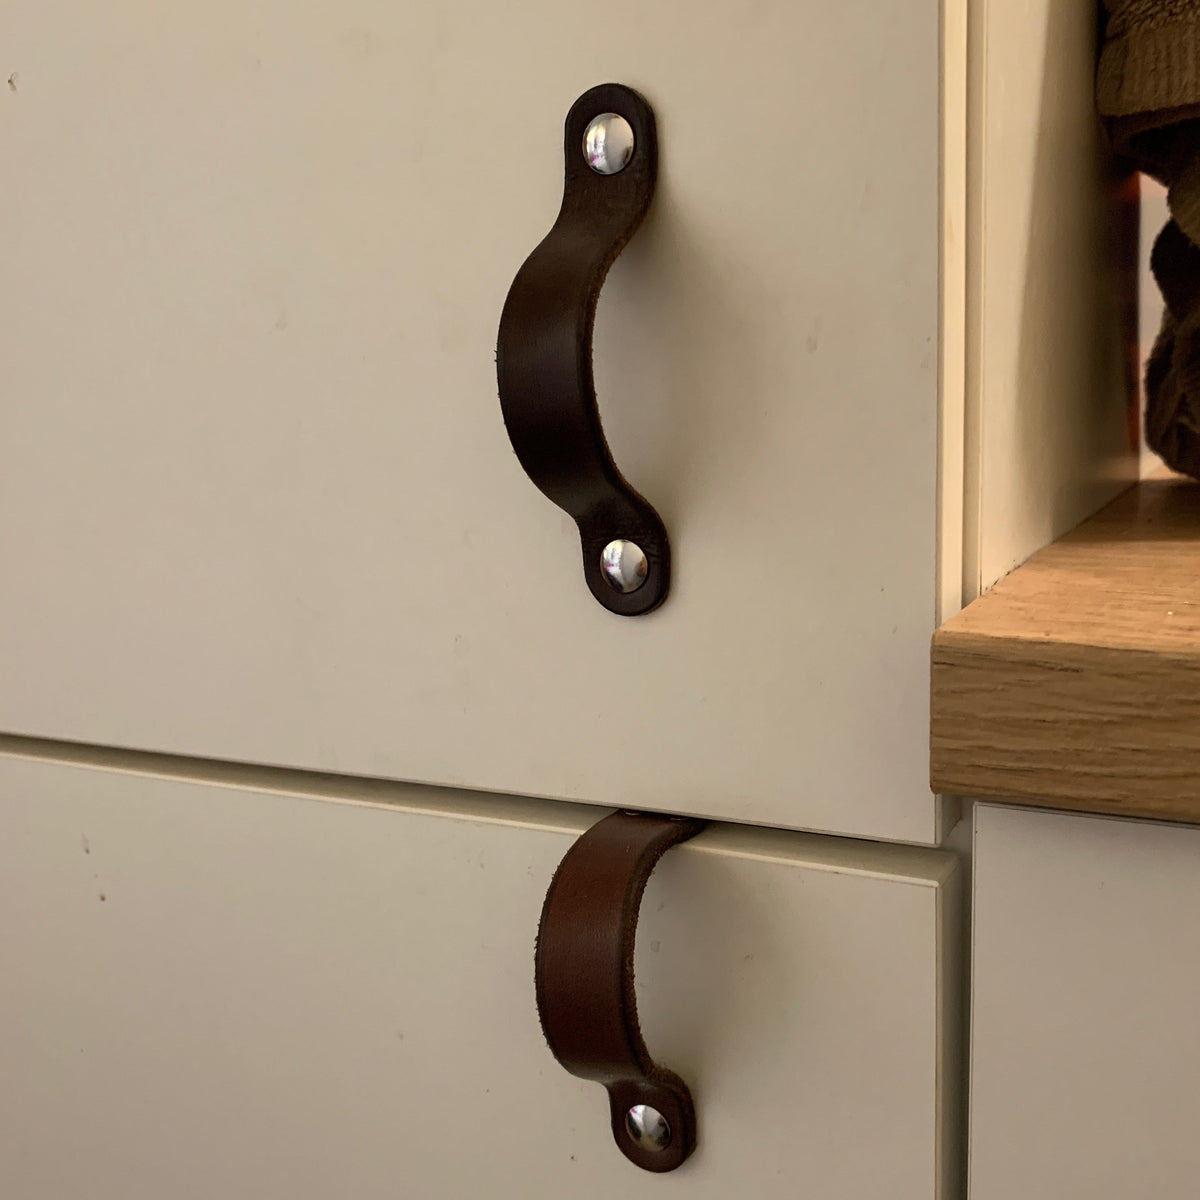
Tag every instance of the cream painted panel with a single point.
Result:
(257, 498)
(1085, 1050)
(1051, 434)
(217, 990)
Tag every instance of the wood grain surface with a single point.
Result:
(1075, 682)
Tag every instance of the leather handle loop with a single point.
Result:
(584, 978)
(544, 353)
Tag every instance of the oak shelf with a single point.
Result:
(1075, 682)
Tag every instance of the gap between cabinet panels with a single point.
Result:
(343, 788)
(952, 325)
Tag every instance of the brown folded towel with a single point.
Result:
(1148, 91)
(1149, 61)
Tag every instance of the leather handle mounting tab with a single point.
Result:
(585, 987)
(544, 354)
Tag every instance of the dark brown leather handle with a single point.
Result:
(584, 978)
(544, 353)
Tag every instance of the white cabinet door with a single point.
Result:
(1086, 979)
(310, 988)
(258, 501)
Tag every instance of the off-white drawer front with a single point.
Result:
(1086, 977)
(258, 500)
(228, 991)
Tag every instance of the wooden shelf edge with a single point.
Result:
(1075, 682)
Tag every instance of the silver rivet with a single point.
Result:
(648, 1128)
(624, 565)
(608, 143)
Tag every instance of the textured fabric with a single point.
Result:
(1148, 88)
(1151, 56)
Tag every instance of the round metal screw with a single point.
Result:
(624, 565)
(648, 1128)
(608, 143)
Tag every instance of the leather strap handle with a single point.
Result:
(585, 988)
(544, 356)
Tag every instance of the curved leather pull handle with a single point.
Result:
(544, 356)
(585, 992)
